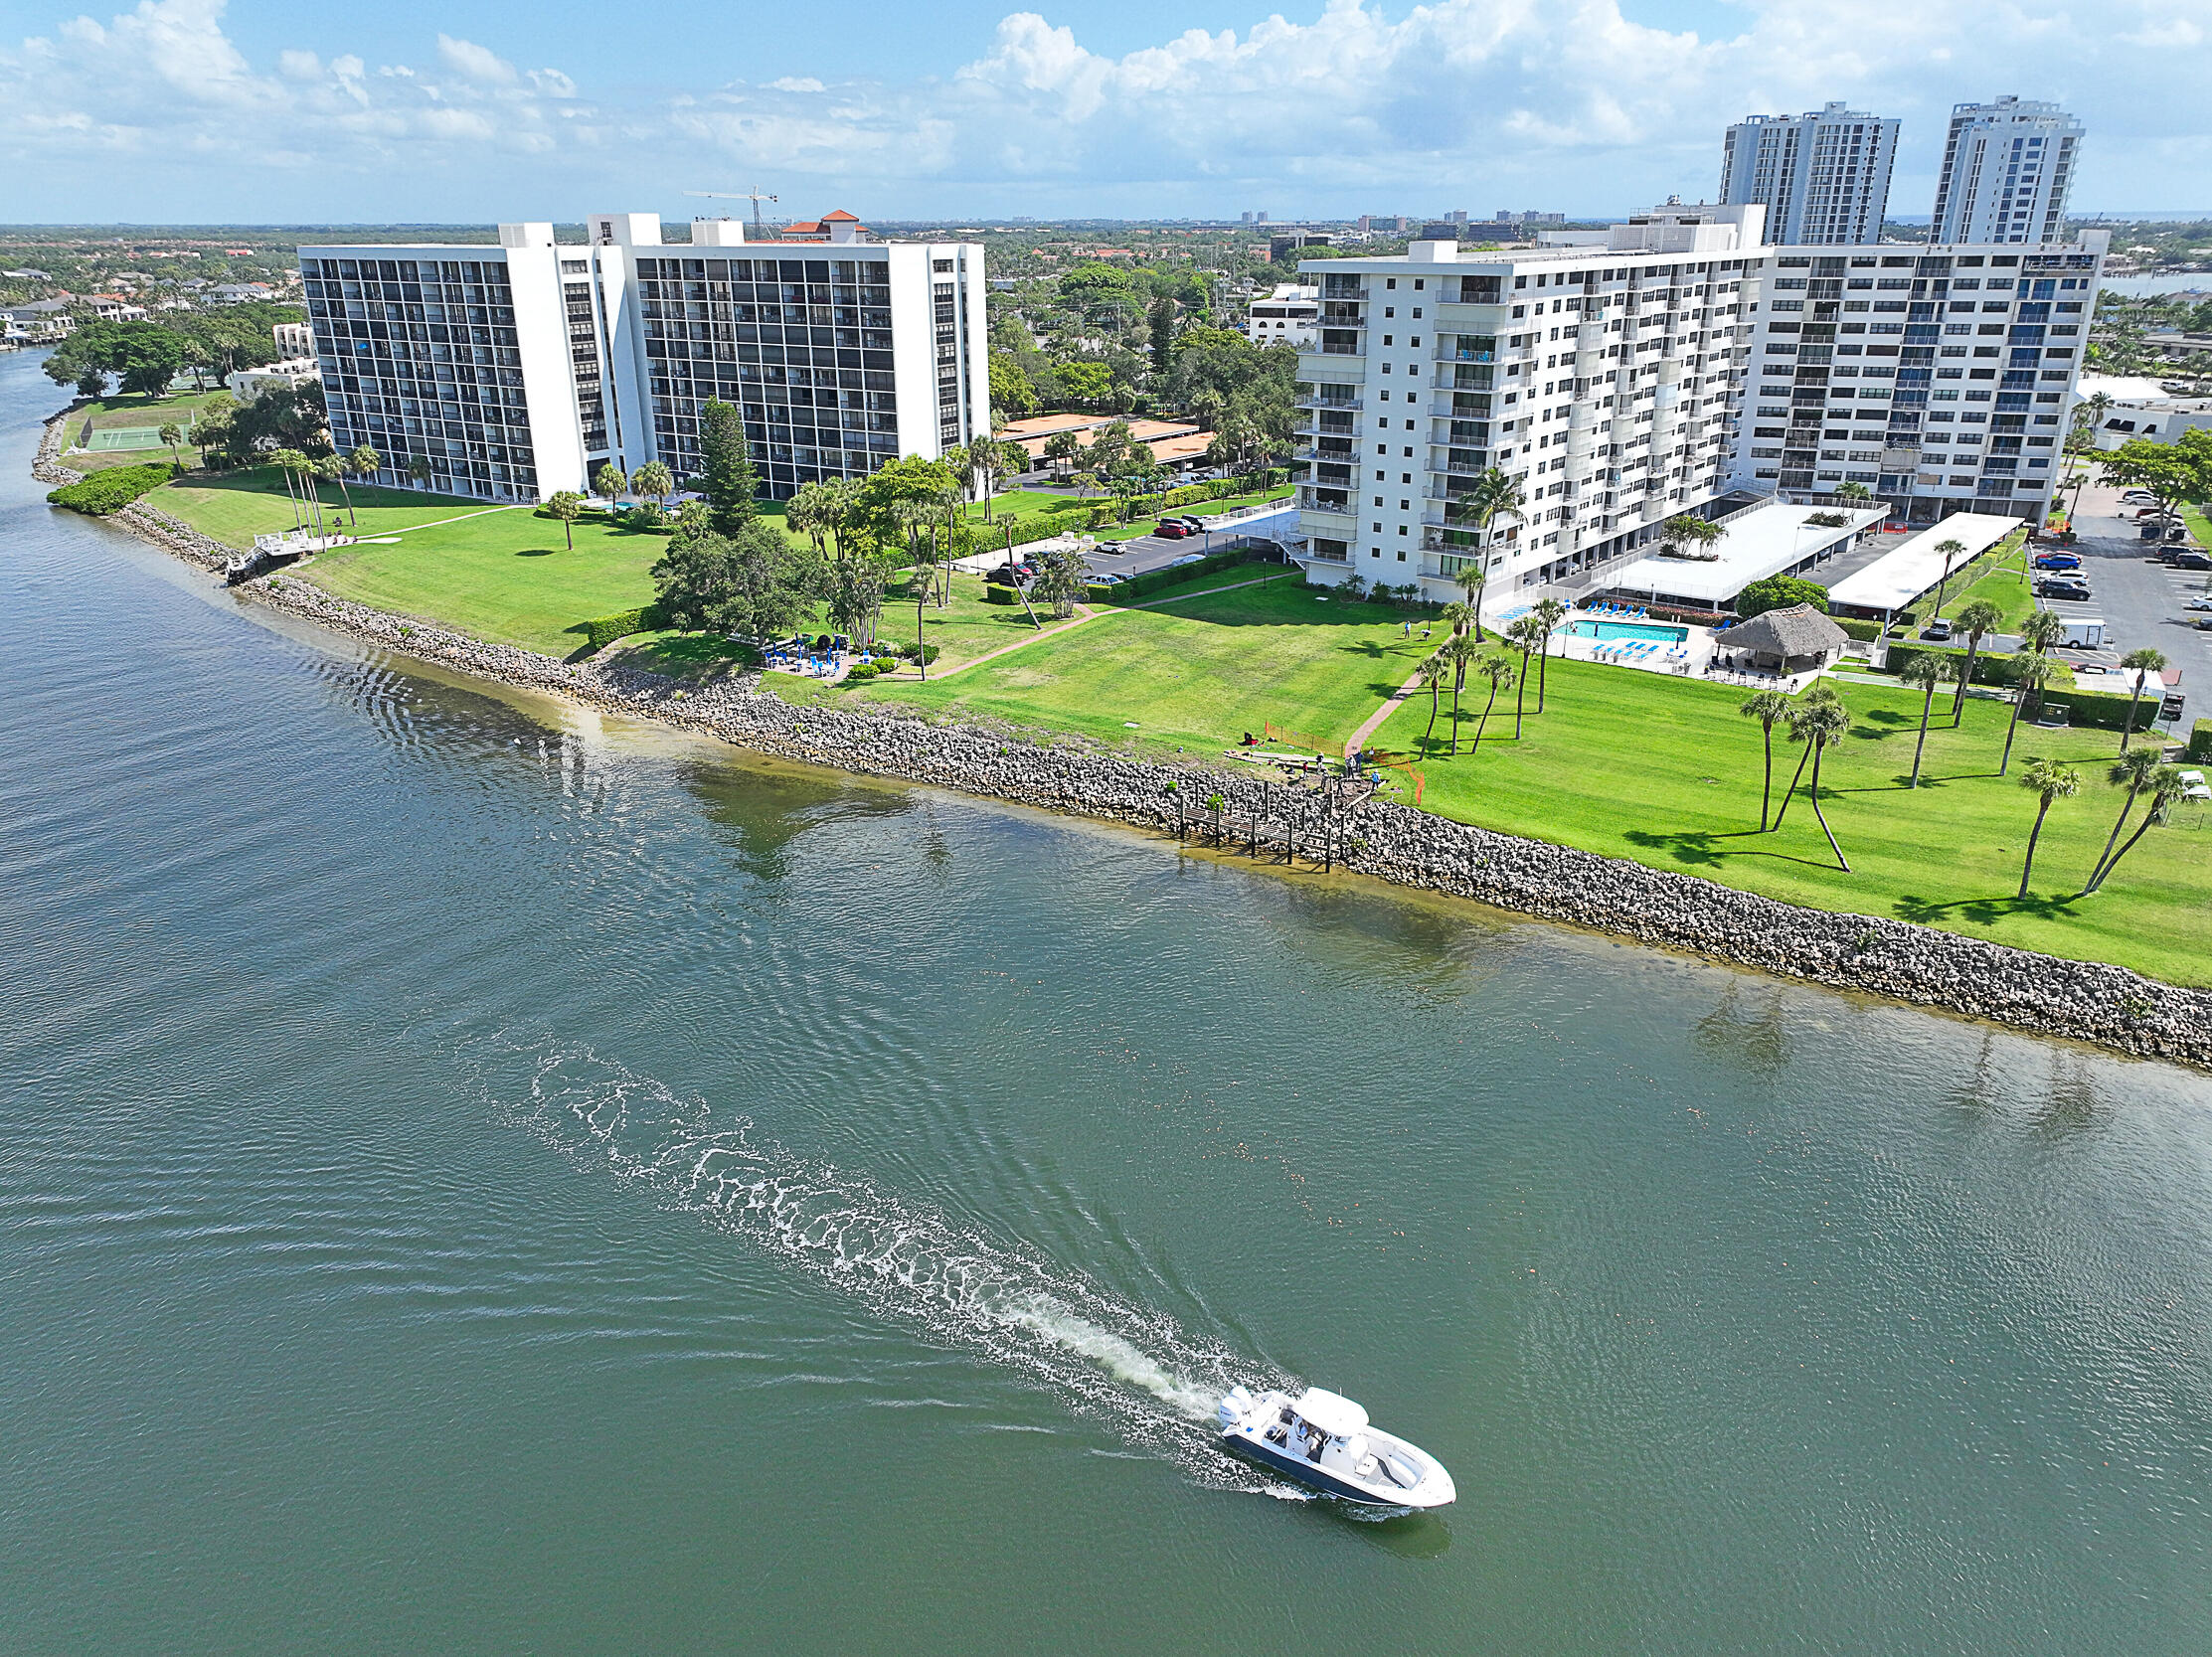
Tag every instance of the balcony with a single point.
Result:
(1320, 402)
(1334, 348)
(1464, 354)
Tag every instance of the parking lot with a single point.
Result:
(2139, 598)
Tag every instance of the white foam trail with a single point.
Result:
(1099, 1352)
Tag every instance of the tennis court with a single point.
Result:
(111, 437)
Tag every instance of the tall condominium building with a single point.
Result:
(513, 371)
(1599, 378)
(1940, 378)
(2007, 167)
(1823, 175)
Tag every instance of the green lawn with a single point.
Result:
(1664, 772)
(138, 411)
(506, 576)
(1195, 674)
(2200, 527)
(233, 507)
(2002, 576)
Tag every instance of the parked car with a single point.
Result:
(2058, 561)
(2193, 560)
(2198, 604)
(2204, 623)
(2071, 590)
(1170, 530)
(1937, 630)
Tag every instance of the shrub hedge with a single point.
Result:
(1864, 631)
(603, 630)
(1136, 587)
(1990, 667)
(2105, 710)
(994, 593)
(111, 491)
(2200, 743)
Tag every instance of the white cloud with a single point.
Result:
(478, 63)
(1569, 104)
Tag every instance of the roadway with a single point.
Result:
(2139, 598)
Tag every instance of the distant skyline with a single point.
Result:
(193, 112)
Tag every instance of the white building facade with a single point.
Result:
(1600, 379)
(1291, 315)
(1942, 379)
(2007, 167)
(514, 371)
(1824, 176)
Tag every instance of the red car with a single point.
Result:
(1171, 531)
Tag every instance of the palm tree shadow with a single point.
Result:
(1700, 847)
(1983, 912)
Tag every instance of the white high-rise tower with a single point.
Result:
(2007, 167)
(1823, 175)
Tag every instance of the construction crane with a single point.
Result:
(754, 196)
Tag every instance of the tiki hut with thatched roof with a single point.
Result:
(1798, 640)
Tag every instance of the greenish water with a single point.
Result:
(478, 1181)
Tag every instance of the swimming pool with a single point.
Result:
(1588, 628)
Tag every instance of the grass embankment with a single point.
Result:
(111, 413)
(235, 507)
(1666, 773)
(2002, 576)
(1195, 672)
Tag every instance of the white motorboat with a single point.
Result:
(1324, 1440)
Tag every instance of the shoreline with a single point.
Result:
(2108, 1006)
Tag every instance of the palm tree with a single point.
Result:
(1493, 496)
(2041, 630)
(173, 434)
(1821, 726)
(1977, 617)
(2048, 781)
(333, 468)
(2131, 771)
(2145, 662)
(654, 481)
(1551, 612)
(1527, 635)
(566, 504)
(418, 469)
(1770, 708)
(608, 482)
(1459, 651)
(807, 511)
(1496, 667)
(1434, 672)
(1854, 494)
(1926, 670)
(1818, 696)
(1061, 449)
(1456, 616)
(1951, 549)
(2031, 668)
(1471, 581)
(281, 459)
(2164, 788)
(363, 463)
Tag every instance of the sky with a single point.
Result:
(198, 111)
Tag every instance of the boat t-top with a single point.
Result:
(1324, 1440)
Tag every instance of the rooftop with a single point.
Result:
(1764, 541)
(1908, 570)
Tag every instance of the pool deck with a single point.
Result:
(1696, 649)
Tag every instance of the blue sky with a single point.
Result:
(194, 110)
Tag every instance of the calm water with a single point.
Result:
(478, 1181)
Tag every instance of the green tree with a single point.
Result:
(808, 511)
(1780, 592)
(1818, 696)
(2048, 781)
(1770, 708)
(1686, 530)
(1496, 667)
(853, 598)
(1431, 675)
(91, 380)
(1976, 616)
(2042, 630)
(1459, 652)
(2031, 670)
(2131, 771)
(1820, 726)
(608, 483)
(654, 481)
(1161, 322)
(1494, 495)
(1952, 550)
(1011, 389)
(1927, 671)
(1471, 581)
(1527, 634)
(2143, 663)
(565, 505)
(1060, 578)
(1088, 384)
(173, 434)
(726, 477)
(418, 469)
(2163, 787)
(1854, 494)
(751, 585)
(1551, 612)
(1061, 449)
(331, 468)
(2174, 474)
(363, 462)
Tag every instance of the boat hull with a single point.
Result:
(1301, 1471)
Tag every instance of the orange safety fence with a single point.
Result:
(1300, 739)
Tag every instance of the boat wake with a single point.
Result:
(1103, 1355)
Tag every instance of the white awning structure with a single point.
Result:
(1770, 539)
(1902, 575)
(1332, 1412)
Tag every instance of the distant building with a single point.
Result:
(1288, 316)
(113, 307)
(41, 320)
(293, 339)
(2007, 168)
(565, 356)
(1824, 176)
(2140, 407)
(239, 293)
(831, 226)
(1290, 242)
(247, 384)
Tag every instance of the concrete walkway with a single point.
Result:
(1391, 703)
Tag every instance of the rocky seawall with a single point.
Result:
(2110, 1006)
